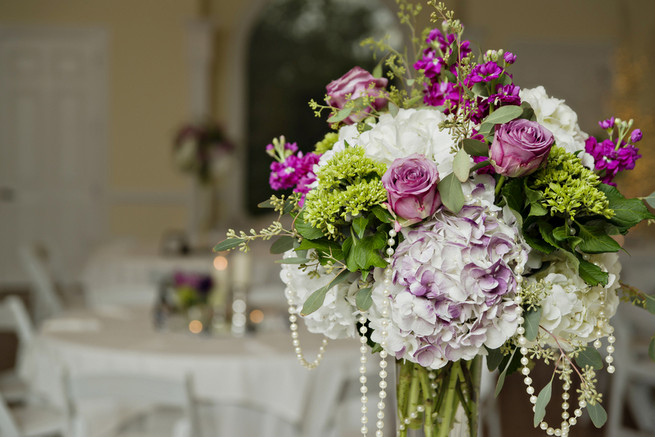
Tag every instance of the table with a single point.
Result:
(258, 369)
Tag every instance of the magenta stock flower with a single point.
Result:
(636, 135)
(354, 84)
(411, 184)
(519, 147)
(509, 58)
(483, 73)
(610, 160)
(607, 124)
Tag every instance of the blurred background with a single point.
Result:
(132, 133)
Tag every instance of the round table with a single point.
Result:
(259, 369)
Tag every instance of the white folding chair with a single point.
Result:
(46, 299)
(15, 317)
(133, 390)
(31, 421)
(633, 382)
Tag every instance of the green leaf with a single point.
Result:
(560, 234)
(479, 89)
(503, 115)
(542, 402)
(595, 239)
(307, 230)
(546, 231)
(341, 115)
(475, 147)
(451, 192)
(650, 199)
(359, 225)
(494, 358)
(364, 298)
(382, 214)
(528, 112)
(321, 244)
(503, 374)
(461, 165)
(505, 79)
(649, 303)
(589, 356)
(393, 109)
(536, 242)
(627, 212)
(480, 164)
(531, 323)
(367, 252)
(597, 414)
(294, 260)
(316, 299)
(282, 244)
(591, 273)
(348, 254)
(485, 129)
(266, 204)
(513, 194)
(228, 244)
(537, 210)
(651, 348)
(377, 71)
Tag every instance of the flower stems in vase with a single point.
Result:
(442, 402)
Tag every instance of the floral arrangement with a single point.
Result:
(202, 149)
(450, 215)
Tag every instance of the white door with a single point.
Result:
(52, 145)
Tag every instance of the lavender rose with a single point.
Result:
(519, 147)
(411, 184)
(357, 83)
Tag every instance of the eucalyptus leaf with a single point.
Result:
(503, 115)
(479, 89)
(494, 358)
(377, 71)
(228, 244)
(266, 204)
(503, 374)
(316, 299)
(651, 348)
(649, 303)
(451, 192)
(589, 356)
(542, 402)
(282, 244)
(364, 298)
(597, 414)
(528, 112)
(475, 147)
(393, 109)
(531, 324)
(293, 260)
(341, 115)
(479, 165)
(650, 199)
(461, 165)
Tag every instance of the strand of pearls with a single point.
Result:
(602, 322)
(295, 340)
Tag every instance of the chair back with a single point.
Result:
(47, 301)
(134, 388)
(7, 426)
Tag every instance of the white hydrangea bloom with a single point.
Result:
(410, 131)
(560, 119)
(571, 308)
(337, 316)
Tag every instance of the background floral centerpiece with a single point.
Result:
(451, 216)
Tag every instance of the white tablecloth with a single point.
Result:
(260, 369)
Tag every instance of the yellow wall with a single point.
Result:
(148, 99)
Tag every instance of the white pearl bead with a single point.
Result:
(379, 433)
(543, 425)
(610, 349)
(392, 233)
(382, 394)
(520, 330)
(362, 379)
(383, 384)
(565, 405)
(413, 415)
(533, 399)
(522, 340)
(597, 344)
(389, 251)
(364, 409)
(582, 404)
(611, 339)
(550, 430)
(363, 389)
(380, 424)
(611, 369)
(524, 361)
(525, 371)
(363, 399)
(573, 420)
(383, 373)
(524, 351)
(380, 415)
(420, 408)
(363, 430)
(391, 241)
(381, 405)
(577, 412)
(364, 419)
(527, 380)
(565, 415)
(529, 389)
(558, 432)
(609, 359)
(520, 320)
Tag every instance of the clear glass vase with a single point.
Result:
(438, 403)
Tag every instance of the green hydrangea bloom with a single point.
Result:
(569, 188)
(348, 185)
(326, 143)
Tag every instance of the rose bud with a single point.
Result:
(357, 83)
(411, 185)
(520, 147)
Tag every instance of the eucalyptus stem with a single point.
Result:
(474, 398)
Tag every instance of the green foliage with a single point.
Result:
(597, 414)
(531, 324)
(326, 143)
(542, 402)
(589, 356)
(451, 193)
(316, 299)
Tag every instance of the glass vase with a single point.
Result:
(438, 403)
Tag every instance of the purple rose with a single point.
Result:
(519, 147)
(411, 185)
(357, 82)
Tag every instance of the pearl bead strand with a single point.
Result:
(295, 340)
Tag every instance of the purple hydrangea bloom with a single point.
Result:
(453, 282)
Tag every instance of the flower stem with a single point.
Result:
(428, 403)
(447, 411)
(474, 398)
(499, 184)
